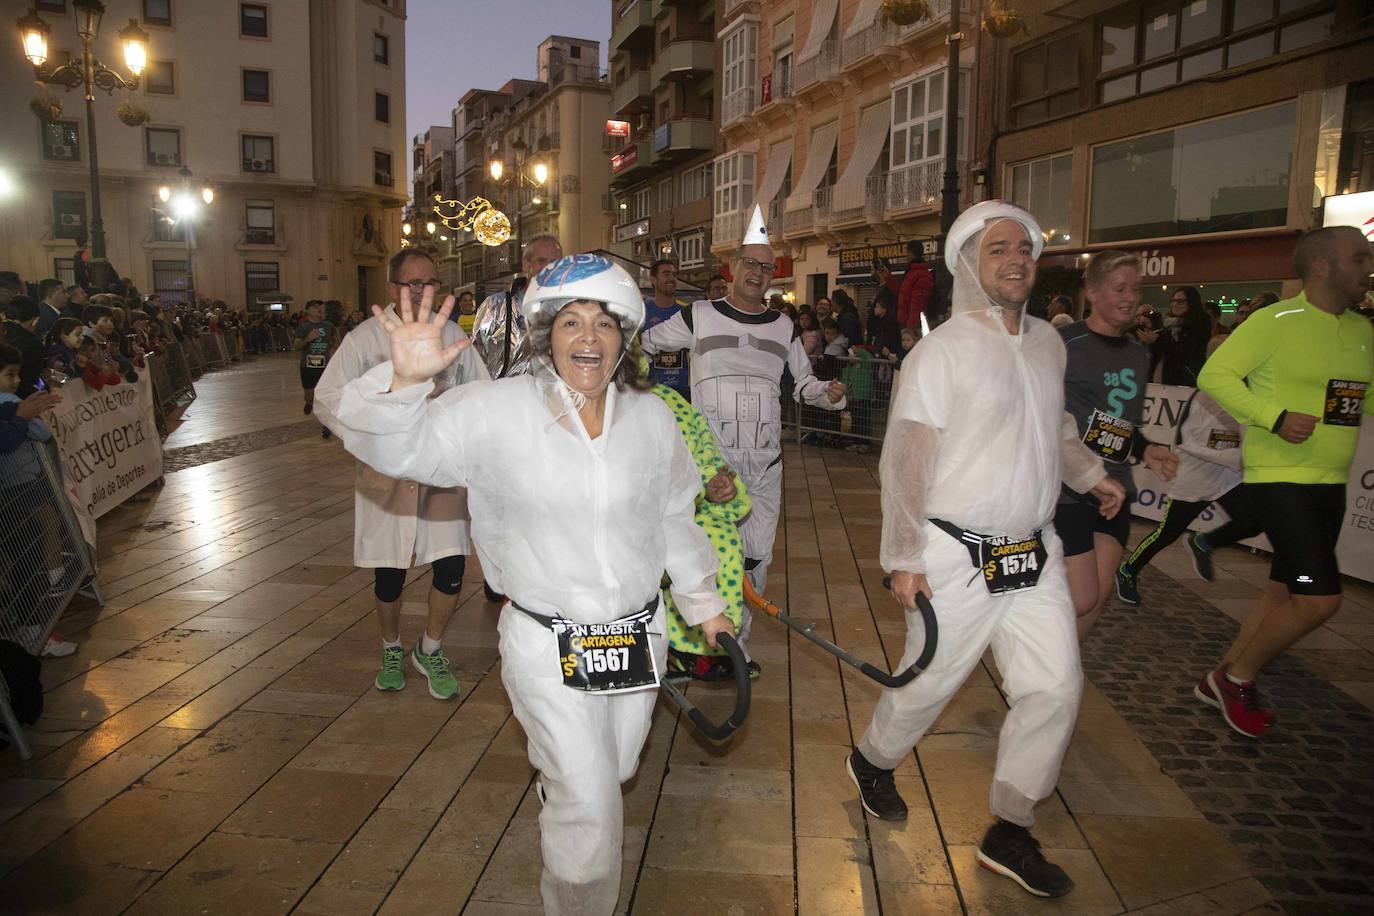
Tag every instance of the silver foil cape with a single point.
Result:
(489, 329)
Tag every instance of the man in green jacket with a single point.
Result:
(1298, 373)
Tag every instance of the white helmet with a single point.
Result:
(585, 276)
(983, 214)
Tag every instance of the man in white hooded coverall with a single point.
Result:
(739, 348)
(604, 503)
(400, 523)
(970, 473)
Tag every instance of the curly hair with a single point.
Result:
(627, 373)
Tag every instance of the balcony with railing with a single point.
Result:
(819, 70)
(854, 205)
(636, 89)
(633, 26)
(822, 205)
(682, 137)
(918, 187)
(738, 105)
(735, 7)
(684, 60)
(877, 41)
(798, 222)
(939, 19)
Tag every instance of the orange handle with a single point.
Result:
(758, 601)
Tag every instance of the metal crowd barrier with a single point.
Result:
(172, 384)
(195, 362)
(44, 560)
(212, 350)
(868, 383)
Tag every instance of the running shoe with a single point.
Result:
(755, 670)
(392, 676)
(1239, 703)
(877, 788)
(1009, 850)
(709, 668)
(57, 647)
(442, 684)
(1126, 589)
(1202, 557)
(306, 409)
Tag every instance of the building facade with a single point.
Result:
(664, 132)
(556, 121)
(1203, 135)
(834, 122)
(292, 112)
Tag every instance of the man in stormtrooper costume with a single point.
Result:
(739, 348)
(602, 506)
(970, 473)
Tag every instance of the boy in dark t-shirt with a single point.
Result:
(316, 339)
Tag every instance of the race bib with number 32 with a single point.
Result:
(1344, 402)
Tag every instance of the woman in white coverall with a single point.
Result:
(970, 475)
(603, 503)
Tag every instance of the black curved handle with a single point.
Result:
(932, 640)
(743, 695)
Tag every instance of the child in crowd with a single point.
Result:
(836, 344)
(63, 341)
(95, 368)
(100, 328)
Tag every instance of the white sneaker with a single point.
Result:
(57, 647)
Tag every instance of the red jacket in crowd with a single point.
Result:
(912, 298)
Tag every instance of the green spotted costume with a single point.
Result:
(718, 520)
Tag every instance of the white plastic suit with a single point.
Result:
(397, 523)
(975, 439)
(585, 530)
(737, 360)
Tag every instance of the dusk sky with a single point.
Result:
(456, 45)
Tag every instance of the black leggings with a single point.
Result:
(388, 583)
(1178, 515)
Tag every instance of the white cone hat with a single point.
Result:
(757, 233)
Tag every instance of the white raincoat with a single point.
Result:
(585, 529)
(975, 439)
(397, 523)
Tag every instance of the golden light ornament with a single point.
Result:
(491, 227)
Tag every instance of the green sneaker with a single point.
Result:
(392, 676)
(442, 684)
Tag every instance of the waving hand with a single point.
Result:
(417, 344)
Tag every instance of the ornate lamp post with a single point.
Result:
(88, 73)
(536, 176)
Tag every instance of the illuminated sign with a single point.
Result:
(1350, 210)
(617, 128)
(625, 160)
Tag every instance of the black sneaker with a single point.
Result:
(1009, 849)
(877, 790)
(1125, 586)
(325, 433)
(755, 670)
(306, 409)
(1202, 558)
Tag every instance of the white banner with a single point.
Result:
(1355, 551)
(108, 441)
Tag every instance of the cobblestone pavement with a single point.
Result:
(189, 456)
(1297, 803)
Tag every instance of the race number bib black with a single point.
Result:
(1108, 436)
(611, 657)
(314, 361)
(1012, 564)
(672, 359)
(1344, 402)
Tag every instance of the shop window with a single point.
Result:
(1045, 187)
(162, 146)
(1147, 47)
(160, 78)
(1214, 176)
(260, 219)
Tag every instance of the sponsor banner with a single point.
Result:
(108, 443)
(1164, 407)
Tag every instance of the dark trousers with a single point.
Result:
(1178, 515)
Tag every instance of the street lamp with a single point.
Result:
(88, 73)
(185, 208)
(524, 174)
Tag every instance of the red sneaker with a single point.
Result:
(1239, 703)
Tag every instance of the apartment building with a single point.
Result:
(557, 121)
(1204, 135)
(834, 122)
(431, 165)
(291, 111)
(664, 132)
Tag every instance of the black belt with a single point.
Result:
(548, 622)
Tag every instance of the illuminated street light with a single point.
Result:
(541, 173)
(207, 194)
(164, 194)
(406, 228)
(498, 168)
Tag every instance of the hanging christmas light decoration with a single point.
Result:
(1002, 22)
(906, 12)
(477, 216)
